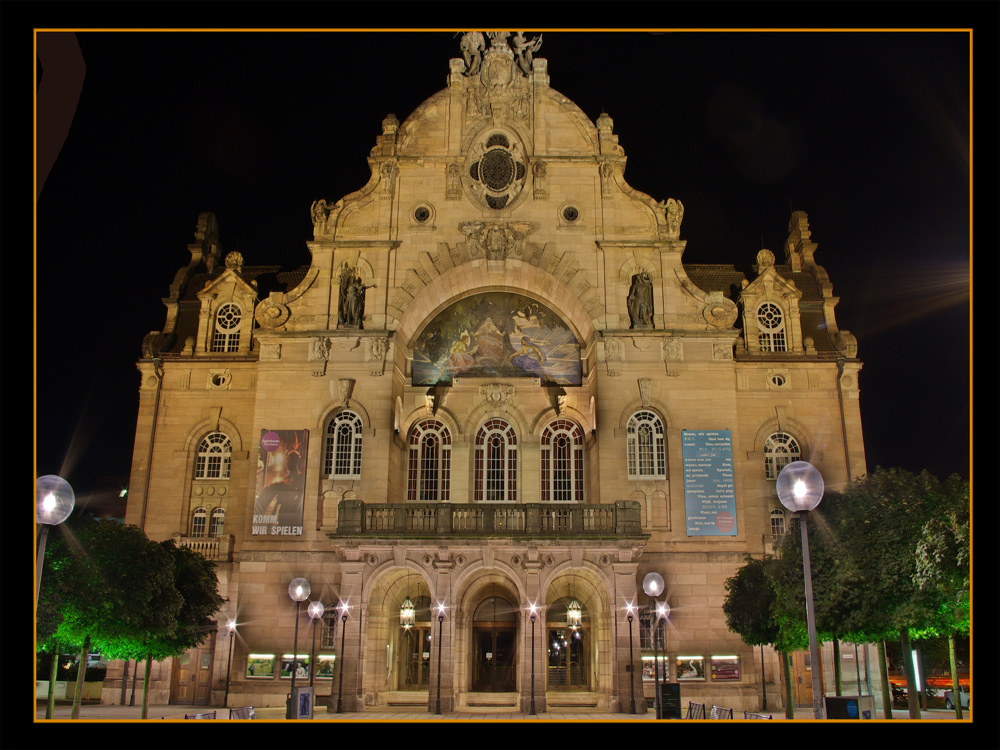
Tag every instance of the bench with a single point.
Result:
(206, 715)
(696, 710)
(752, 715)
(718, 712)
(242, 713)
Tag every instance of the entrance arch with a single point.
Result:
(494, 645)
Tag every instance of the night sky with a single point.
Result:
(868, 132)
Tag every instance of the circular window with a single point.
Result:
(571, 213)
(422, 214)
(496, 169)
(228, 317)
(777, 380)
(769, 316)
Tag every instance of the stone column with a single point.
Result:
(352, 636)
(442, 639)
(628, 681)
(532, 588)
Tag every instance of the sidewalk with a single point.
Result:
(97, 712)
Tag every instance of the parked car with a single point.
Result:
(949, 697)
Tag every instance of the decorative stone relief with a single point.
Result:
(496, 395)
(375, 351)
(270, 315)
(847, 343)
(524, 49)
(673, 349)
(765, 260)
(722, 351)
(607, 171)
(640, 300)
(387, 174)
(345, 387)
(614, 354)
(473, 46)
(495, 241)
(644, 388)
(319, 349)
(719, 311)
(320, 212)
(453, 191)
(538, 174)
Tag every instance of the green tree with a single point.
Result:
(752, 610)
(105, 583)
(196, 583)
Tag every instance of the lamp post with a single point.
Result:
(631, 663)
(315, 611)
(652, 584)
(800, 489)
(298, 590)
(534, 614)
(54, 501)
(343, 633)
(437, 709)
(231, 627)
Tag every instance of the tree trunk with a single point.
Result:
(883, 672)
(955, 687)
(145, 686)
(786, 669)
(838, 677)
(50, 703)
(912, 699)
(81, 676)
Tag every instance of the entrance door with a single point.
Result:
(414, 657)
(802, 686)
(493, 669)
(192, 675)
(569, 668)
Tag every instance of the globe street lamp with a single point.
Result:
(231, 627)
(437, 709)
(800, 489)
(315, 611)
(652, 584)
(534, 614)
(54, 501)
(631, 662)
(343, 633)
(299, 591)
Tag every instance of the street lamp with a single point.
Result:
(231, 627)
(315, 611)
(299, 591)
(534, 614)
(343, 633)
(652, 584)
(800, 489)
(54, 501)
(631, 662)
(437, 709)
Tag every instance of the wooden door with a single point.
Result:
(802, 692)
(192, 675)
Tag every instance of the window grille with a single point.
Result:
(214, 457)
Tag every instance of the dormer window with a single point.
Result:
(226, 335)
(771, 328)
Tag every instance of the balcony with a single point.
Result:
(215, 548)
(619, 520)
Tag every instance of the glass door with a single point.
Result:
(494, 665)
(569, 665)
(414, 657)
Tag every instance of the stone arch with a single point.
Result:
(510, 413)
(218, 424)
(655, 405)
(785, 424)
(329, 411)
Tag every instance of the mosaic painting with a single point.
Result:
(497, 334)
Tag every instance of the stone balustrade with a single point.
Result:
(217, 548)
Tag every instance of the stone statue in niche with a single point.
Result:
(351, 309)
(640, 300)
(524, 49)
(473, 45)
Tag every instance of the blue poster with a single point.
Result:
(709, 488)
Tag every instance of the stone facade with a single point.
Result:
(496, 185)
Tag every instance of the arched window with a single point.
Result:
(198, 522)
(342, 457)
(646, 451)
(562, 462)
(226, 335)
(218, 521)
(496, 463)
(777, 523)
(213, 457)
(771, 328)
(428, 473)
(779, 449)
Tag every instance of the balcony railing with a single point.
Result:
(356, 517)
(217, 548)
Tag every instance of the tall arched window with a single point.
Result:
(646, 450)
(771, 328)
(218, 521)
(213, 457)
(779, 449)
(428, 473)
(496, 463)
(226, 335)
(198, 522)
(562, 462)
(342, 456)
